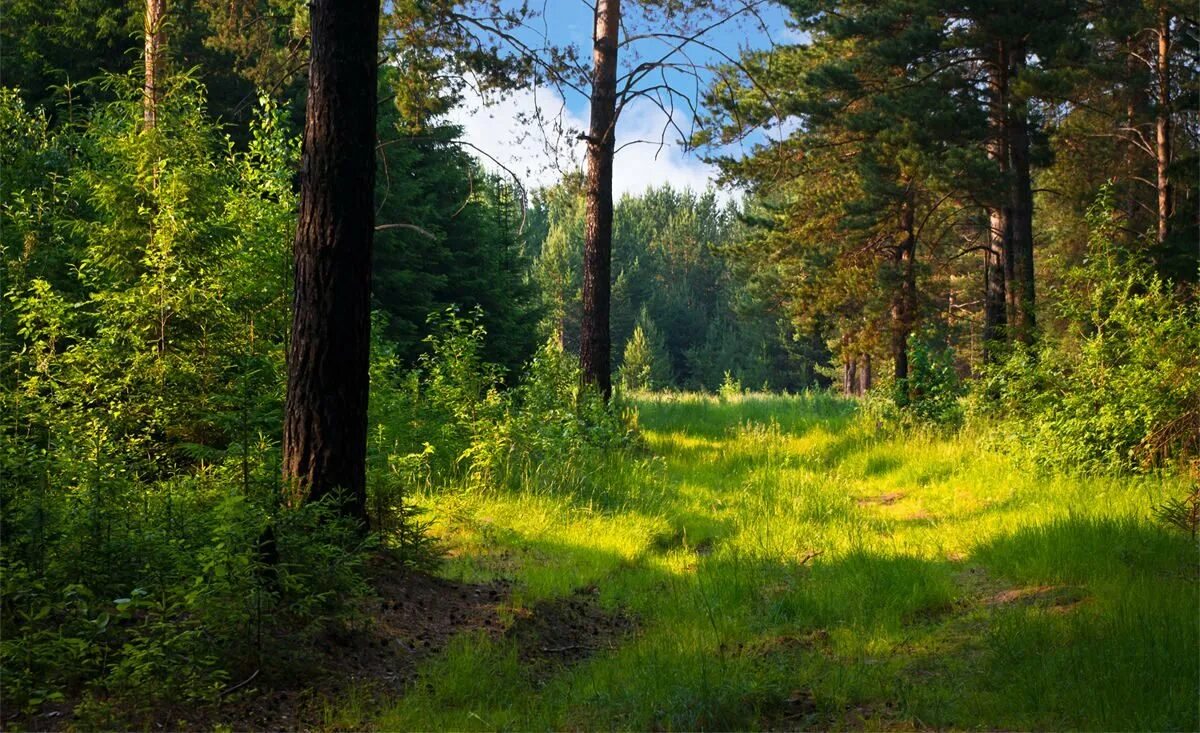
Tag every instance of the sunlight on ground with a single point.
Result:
(788, 568)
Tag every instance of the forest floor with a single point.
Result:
(773, 563)
(768, 563)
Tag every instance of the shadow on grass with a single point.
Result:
(858, 640)
(1100, 634)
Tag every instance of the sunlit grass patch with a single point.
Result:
(790, 566)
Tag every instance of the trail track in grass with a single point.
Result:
(772, 562)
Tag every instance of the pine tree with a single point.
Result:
(645, 364)
(325, 421)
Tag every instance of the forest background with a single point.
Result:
(974, 216)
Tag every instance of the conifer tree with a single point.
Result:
(325, 423)
(645, 363)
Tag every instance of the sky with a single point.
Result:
(539, 152)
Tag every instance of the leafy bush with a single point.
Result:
(147, 557)
(932, 389)
(448, 423)
(1127, 364)
(139, 468)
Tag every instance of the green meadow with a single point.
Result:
(788, 567)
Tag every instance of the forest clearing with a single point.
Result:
(599, 365)
(784, 565)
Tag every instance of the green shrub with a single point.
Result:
(139, 468)
(448, 423)
(1127, 363)
(932, 389)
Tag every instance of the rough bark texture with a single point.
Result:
(325, 425)
(155, 59)
(864, 374)
(1162, 122)
(1021, 286)
(995, 302)
(850, 376)
(904, 302)
(594, 350)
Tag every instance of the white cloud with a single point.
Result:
(533, 134)
(529, 132)
(641, 164)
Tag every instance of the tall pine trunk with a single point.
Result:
(904, 301)
(155, 59)
(1162, 122)
(996, 257)
(1021, 286)
(325, 424)
(595, 358)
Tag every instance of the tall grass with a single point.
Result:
(791, 567)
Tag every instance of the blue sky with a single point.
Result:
(539, 152)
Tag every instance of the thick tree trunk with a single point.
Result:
(864, 374)
(325, 425)
(995, 299)
(1023, 318)
(849, 376)
(595, 358)
(1162, 122)
(904, 302)
(155, 60)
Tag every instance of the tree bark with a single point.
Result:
(325, 424)
(864, 374)
(850, 376)
(155, 60)
(1162, 126)
(595, 358)
(904, 302)
(1022, 291)
(995, 313)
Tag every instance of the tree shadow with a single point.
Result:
(733, 641)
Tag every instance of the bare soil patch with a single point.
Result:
(412, 618)
(798, 711)
(559, 632)
(815, 640)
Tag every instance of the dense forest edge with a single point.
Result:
(895, 425)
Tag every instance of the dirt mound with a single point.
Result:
(562, 631)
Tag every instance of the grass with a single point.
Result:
(790, 568)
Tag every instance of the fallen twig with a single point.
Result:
(239, 685)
